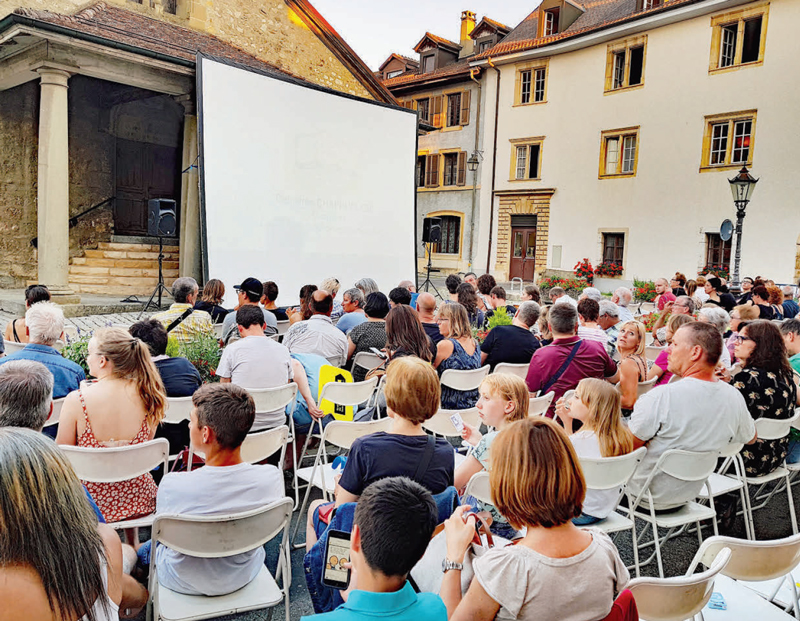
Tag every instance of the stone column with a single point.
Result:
(53, 186)
(190, 245)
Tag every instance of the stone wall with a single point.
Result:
(538, 205)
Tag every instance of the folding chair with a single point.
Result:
(218, 330)
(608, 473)
(464, 380)
(121, 463)
(216, 537)
(340, 434)
(12, 348)
(283, 328)
(676, 599)
(685, 466)
(643, 388)
(441, 425)
(651, 352)
(178, 410)
(478, 487)
(520, 370)
(56, 414)
(720, 483)
(367, 360)
(539, 405)
(257, 446)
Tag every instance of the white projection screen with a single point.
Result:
(299, 183)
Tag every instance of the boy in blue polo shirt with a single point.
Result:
(393, 524)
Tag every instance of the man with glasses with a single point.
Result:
(681, 306)
(747, 291)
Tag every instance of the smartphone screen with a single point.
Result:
(337, 553)
(457, 421)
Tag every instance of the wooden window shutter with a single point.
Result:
(462, 168)
(465, 107)
(438, 117)
(432, 174)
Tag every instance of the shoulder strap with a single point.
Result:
(561, 370)
(14, 330)
(178, 321)
(422, 467)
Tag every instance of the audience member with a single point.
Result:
(633, 365)
(399, 295)
(353, 306)
(775, 300)
(393, 524)
(530, 293)
(596, 405)
(498, 297)
(768, 388)
(544, 335)
(249, 293)
(589, 328)
(720, 319)
(592, 293)
(469, 300)
(660, 368)
(26, 389)
(15, 329)
(331, 285)
(742, 314)
(697, 413)
(515, 343)
(790, 329)
(663, 293)
(211, 300)
(559, 296)
(222, 416)
(486, 283)
(302, 312)
(700, 292)
(471, 278)
(760, 299)
(371, 333)
(412, 289)
(537, 483)
(318, 335)
(426, 307)
(457, 350)
(268, 299)
(405, 335)
(559, 367)
(683, 305)
(609, 321)
(677, 284)
(307, 367)
(504, 399)
(622, 297)
(790, 306)
(44, 325)
(747, 291)
(452, 282)
(717, 297)
(692, 291)
(367, 286)
(181, 319)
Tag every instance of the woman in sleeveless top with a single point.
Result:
(15, 329)
(458, 350)
(122, 407)
(632, 364)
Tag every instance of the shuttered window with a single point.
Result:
(432, 171)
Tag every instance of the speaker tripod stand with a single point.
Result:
(160, 287)
(428, 269)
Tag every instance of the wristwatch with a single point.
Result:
(447, 565)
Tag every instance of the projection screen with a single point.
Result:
(299, 183)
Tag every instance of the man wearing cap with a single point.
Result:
(250, 292)
(181, 320)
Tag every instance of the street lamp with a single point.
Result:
(473, 162)
(742, 186)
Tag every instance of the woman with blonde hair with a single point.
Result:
(557, 571)
(632, 363)
(596, 404)
(504, 399)
(457, 350)
(211, 300)
(123, 406)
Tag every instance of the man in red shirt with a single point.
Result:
(664, 293)
(559, 367)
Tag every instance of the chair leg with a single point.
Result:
(300, 519)
(791, 509)
(658, 549)
(635, 546)
(795, 603)
(699, 533)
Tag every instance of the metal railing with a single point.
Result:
(74, 220)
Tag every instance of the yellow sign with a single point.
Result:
(327, 374)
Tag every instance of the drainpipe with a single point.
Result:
(494, 164)
(472, 73)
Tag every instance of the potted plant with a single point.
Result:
(644, 290)
(608, 269)
(583, 269)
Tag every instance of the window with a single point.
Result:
(428, 63)
(421, 161)
(424, 109)
(738, 38)
(484, 45)
(454, 110)
(526, 162)
(451, 236)
(432, 171)
(450, 168)
(618, 152)
(613, 247)
(728, 141)
(393, 74)
(551, 22)
(625, 64)
(650, 4)
(170, 6)
(531, 85)
(525, 86)
(718, 252)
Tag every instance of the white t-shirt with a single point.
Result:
(214, 490)
(693, 415)
(593, 334)
(565, 299)
(258, 362)
(598, 503)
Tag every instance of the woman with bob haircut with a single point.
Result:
(405, 335)
(632, 364)
(412, 396)
(123, 406)
(469, 300)
(211, 301)
(457, 350)
(557, 571)
(56, 561)
(369, 334)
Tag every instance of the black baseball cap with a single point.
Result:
(252, 286)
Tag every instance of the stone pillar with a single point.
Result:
(53, 186)
(190, 245)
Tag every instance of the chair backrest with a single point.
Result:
(464, 380)
(344, 433)
(644, 387)
(283, 327)
(12, 348)
(478, 487)
(345, 394)
(651, 352)
(676, 599)
(520, 370)
(121, 463)
(687, 466)
(539, 405)
(610, 472)
(218, 330)
(272, 399)
(178, 409)
(367, 360)
(222, 535)
(774, 428)
(56, 414)
(262, 444)
(752, 561)
(441, 425)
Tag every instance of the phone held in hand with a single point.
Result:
(457, 421)
(337, 553)
(378, 352)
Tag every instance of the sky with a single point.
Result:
(376, 28)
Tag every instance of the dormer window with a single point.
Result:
(428, 63)
(485, 45)
(551, 22)
(393, 74)
(650, 4)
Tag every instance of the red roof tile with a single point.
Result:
(438, 40)
(452, 70)
(487, 21)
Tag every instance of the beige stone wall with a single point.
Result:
(521, 205)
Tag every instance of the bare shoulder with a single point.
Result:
(23, 594)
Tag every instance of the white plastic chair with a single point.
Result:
(216, 537)
(676, 599)
(367, 360)
(257, 446)
(721, 483)
(644, 387)
(56, 413)
(607, 473)
(539, 405)
(218, 330)
(478, 487)
(651, 352)
(520, 370)
(441, 425)
(283, 327)
(12, 347)
(178, 410)
(464, 380)
(121, 463)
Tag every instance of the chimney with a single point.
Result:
(467, 26)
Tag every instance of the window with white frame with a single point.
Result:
(729, 140)
(528, 160)
(532, 85)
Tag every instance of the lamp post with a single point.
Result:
(472, 164)
(742, 186)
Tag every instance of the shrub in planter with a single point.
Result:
(719, 270)
(583, 269)
(77, 350)
(644, 290)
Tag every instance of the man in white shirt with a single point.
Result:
(622, 297)
(256, 361)
(220, 420)
(699, 413)
(318, 335)
(559, 296)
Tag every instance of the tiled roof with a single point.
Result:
(140, 31)
(400, 57)
(448, 71)
(438, 40)
(599, 14)
(490, 22)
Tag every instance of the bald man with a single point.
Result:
(318, 335)
(412, 289)
(426, 307)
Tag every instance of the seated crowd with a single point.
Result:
(714, 365)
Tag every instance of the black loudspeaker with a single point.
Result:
(162, 218)
(432, 230)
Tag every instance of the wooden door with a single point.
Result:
(523, 253)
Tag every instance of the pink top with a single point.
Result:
(661, 363)
(664, 298)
